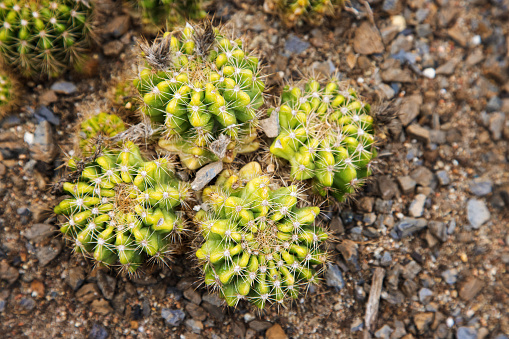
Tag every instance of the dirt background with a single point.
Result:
(434, 219)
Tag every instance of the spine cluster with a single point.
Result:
(313, 12)
(122, 209)
(327, 135)
(44, 37)
(206, 91)
(258, 245)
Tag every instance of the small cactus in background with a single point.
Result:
(43, 38)
(7, 92)
(206, 91)
(102, 124)
(314, 12)
(258, 245)
(157, 14)
(326, 133)
(122, 209)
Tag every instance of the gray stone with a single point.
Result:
(449, 66)
(270, 126)
(295, 45)
(27, 303)
(75, 278)
(64, 87)
(388, 188)
(369, 218)
(418, 132)
(39, 232)
(437, 137)
(260, 325)
(411, 270)
(195, 326)
(98, 332)
(44, 113)
(399, 330)
(43, 147)
(118, 26)
(423, 30)
(206, 174)
(451, 227)
(397, 75)
(192, 295)
(213, 299)
(392, 7)
(425, 295)
(407, 184)
(8, 273)
(494, 104)
(357, 325)
(480, 186)
(173, 317)
(409, 226)
(497, 124)
(106, 284)
(113, 48)
(409, 288)
(450, 276)
(438, 229)
(477, 213)
(386, 259)
(384, 332)
(410, 109)
(423, 176)
(334, 277)
(47, 253)
(466, 333)
(416, 208)
(443, 178)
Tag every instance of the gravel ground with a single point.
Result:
(427, 242)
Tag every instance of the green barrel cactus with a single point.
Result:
(157, 14)
(327, 135)
(258, 245)
(102, 124)
(205, 91)
(313, 12)
(7, 92)
(122, 209)
(43, 38)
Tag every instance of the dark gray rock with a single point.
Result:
(438, 229)
(410, 108)
(260, 325)
(206, 174)
(106, 284)
(195, 326)
(46, 254)
(407, 227)
(98, 332)
(8, 273)
(425, 295)
(411, 270)
(407, 184)
(480, 186)
(386, 259)
(494, 104)
(44, 113)
(213, 299)
(423, 176)
(477, 213)
(173, 317)
(27, 303)
(388, 187)
(75, 278)
(39, 232)
(334, 277)
(43, 147)
(295, 45)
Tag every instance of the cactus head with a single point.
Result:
(157, 14)
(327, 135)
(7, 92)
(99, 125)
(258, 245)
(122, 209)
(206, 92)
(43, 38)
(293, 12)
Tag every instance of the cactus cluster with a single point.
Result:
(122, 209)
(7, 92)
(258, 245)
(102, 124)
(157, 14)
(326, 133)
(44, 37)
(206, 91)
(312, 11)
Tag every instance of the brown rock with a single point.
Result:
(410, 109)
(397, 75)
(418, 132)
(101, 307)
(113, 48)
(423, 320)
(367, 40)
(47, 97)
(37, 287)
(8, 273)
(471, 288)
(118, 26)
(348, 249)
(88, 293)
(456, 33)
(197, 312)
(275, 332)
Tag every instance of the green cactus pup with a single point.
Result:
(313, 12)
(122, 209)
(157, 14)
(7, 93)
(206, 91)
(327, 135)
(258, 245)
(43, 38)
(102, 124)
